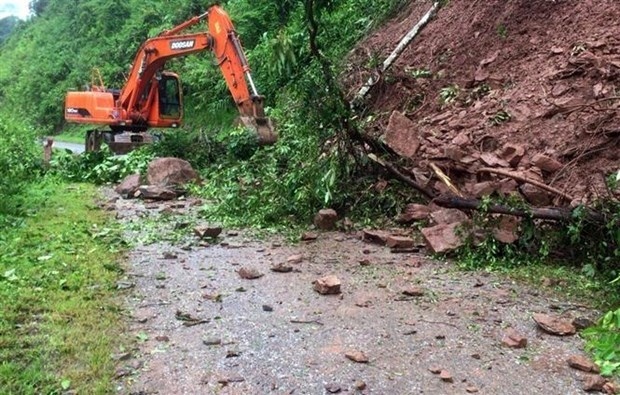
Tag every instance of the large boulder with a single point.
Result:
(170, 172)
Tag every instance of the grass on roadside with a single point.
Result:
(73, 134)
(59, 322)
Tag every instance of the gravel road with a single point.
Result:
(202, 329)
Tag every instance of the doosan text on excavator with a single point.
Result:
(152, 97)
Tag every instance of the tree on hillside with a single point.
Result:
(7, 25)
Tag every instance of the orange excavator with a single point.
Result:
(152, 97)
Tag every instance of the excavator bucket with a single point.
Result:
(252, 116)
(263, 128)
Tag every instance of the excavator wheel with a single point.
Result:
(94, 138)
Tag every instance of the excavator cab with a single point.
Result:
(170, 100)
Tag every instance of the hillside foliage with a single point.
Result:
(58, 47)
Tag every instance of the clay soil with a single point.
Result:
(540, 74)
(200, 328)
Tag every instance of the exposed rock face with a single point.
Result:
(129, 186)
(170, 172)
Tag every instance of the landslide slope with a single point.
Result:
(526, 86)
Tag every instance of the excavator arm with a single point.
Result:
(221, 39)
(139, 103)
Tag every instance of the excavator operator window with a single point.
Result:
(169, 97)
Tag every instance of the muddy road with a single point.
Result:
(424, 327)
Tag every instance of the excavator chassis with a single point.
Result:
(120, 143)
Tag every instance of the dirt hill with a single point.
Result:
(531, 87)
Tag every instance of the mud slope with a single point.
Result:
(540, 76)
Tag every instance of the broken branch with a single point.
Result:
(404, 42)
(527, 181)
(399, 175)
(553, 214)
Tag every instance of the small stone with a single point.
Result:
(170, 255)
(230, 379)
(328, 285)
(232, 353)
(212, 341)
(162, 338)
(360, 385)
(125, 285)
(476, 356)
(295, 259)
(364, 262)
(557, 50)
(594, 383)
(399, 242)
(207, 231)
(582, 363)
(414, 291)
(513, 153)
(309, 236)
(546, 163)
(375, 236)
(444, 375)
(471, 389)
(413, 212)
(435, 369)
(326, 219)
(448, 216)
(281, 268)
(610, 388)
(513, 339)
(333, 388)
(554, 325)
(249, 273)
(357, 356)
(267, 308)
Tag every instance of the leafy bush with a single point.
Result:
(603, 340)
(20, 161)
(100, 167)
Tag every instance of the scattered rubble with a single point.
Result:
(249, 273)
(513, 339)
(582, 363)
(554, 325)
(328, 285)
(210, 231)
(357, 356)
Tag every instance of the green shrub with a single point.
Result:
(100, 167)
(20, 161)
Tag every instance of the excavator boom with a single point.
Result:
(151, 96)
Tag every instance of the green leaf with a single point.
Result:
(65, 384)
